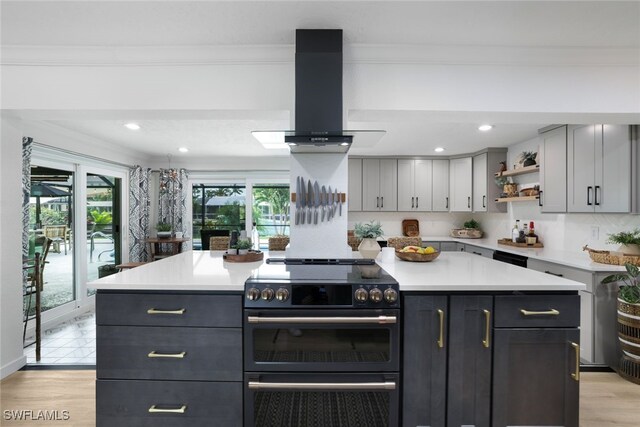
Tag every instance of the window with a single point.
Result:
(271, 211)
(217, 207)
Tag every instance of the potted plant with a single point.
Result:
(629, 241)
(470, 230)
(528, 158)
(164, 230)
(369, 247)
(628, 320)
(243, 246)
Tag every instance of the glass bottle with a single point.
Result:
(532, 237)
(255, 237)
(516, 231)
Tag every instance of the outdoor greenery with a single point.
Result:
(629, 292)
(48, 216)
(370, 230)
(278, 200)
(99, 220)
(625, 237)
(472, 223)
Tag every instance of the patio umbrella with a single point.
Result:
(40, 189)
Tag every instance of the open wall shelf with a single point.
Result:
(519, 171)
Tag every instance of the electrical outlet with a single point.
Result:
(595, 232)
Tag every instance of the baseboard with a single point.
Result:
(595, 368)
(12, 367)
(56, 367)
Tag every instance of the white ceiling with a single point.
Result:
(206, 23)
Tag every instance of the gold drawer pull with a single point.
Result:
(441, 338)
(576, 375)
(155, 311)
(487, 326)
(552, 312)
(155, 410)
(180, 355)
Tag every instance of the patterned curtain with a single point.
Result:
(172, 201)
(139, 204)
(26, 191)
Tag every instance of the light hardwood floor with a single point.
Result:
(605, 398)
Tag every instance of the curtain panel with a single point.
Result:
(26, 192)
(172, 201)
(139, 208)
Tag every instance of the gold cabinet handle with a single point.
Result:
(154, 409)
(155, 311)
(576, 375)
(487, 328)
(441, 338)
(552, 312)
(180, 355)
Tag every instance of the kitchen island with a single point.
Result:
(483, 343)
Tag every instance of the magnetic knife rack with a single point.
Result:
(343, 197)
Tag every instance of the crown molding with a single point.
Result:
(284, 54)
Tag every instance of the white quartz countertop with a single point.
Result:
(451, 271)
(576, 259)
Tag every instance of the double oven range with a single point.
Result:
(321, 344)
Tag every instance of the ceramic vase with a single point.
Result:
(630, 249)
(369, 248)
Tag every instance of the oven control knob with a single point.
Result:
(267, 294)
(361, 295)
(390, 295)
(253, 294)
(375, 295)
(282, 294)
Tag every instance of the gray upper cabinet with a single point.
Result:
(415, 179)
(599, 168)
(485, 191)
(379, 184)
(355, 185)
(440, 186)
(552, 156)
(460, 184)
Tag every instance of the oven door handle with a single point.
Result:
(378, 320)
(386, 385)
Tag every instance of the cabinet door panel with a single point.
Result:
(553, 170)
(440, 187)
(613, 170)
(480, 201)
(424, 390)
(460, 184)
(370, 184)
(581, 160)
(423, 183)
(388, 185)
(532, 382)
(470, 343)
(355, 185)
(406, 193)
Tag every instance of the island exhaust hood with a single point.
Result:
(318, 106)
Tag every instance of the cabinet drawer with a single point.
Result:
(562, 271)
(221, 311)
(448, 246)
(127, 403)
(540, 311)
(210, 354)
(476, 250)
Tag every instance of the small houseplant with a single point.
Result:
(528, 158)
(243, 246)
(629, 241)
(164, 229)
(369, 232)
(628, 320)
(472, 223)
(470, 230)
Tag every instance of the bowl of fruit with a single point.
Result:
(417, 254)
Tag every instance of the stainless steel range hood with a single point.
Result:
(318, 107)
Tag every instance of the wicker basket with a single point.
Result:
(278, 243)
(416, 257)
(401, 242)
(614, 258)
(219, 243)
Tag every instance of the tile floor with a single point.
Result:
(70, 343)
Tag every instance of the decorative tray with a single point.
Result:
(466, 233)
(613, 258)
(416, 257)
(252, 256)
(410, 227)
(509, 242)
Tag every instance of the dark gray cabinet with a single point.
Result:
(424, 361)
(168, 359)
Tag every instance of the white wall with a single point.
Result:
(11, 357)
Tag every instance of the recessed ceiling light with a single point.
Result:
(132, 126)
(183, 149)
(438, 149)
(485, 128)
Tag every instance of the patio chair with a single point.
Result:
(58, 234)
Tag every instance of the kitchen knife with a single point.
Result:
(316, 201)
(303, 201)
(297, 200)
(335, 203)
(323, 201)
(340, 204)
(309, 200)
(329, 210)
